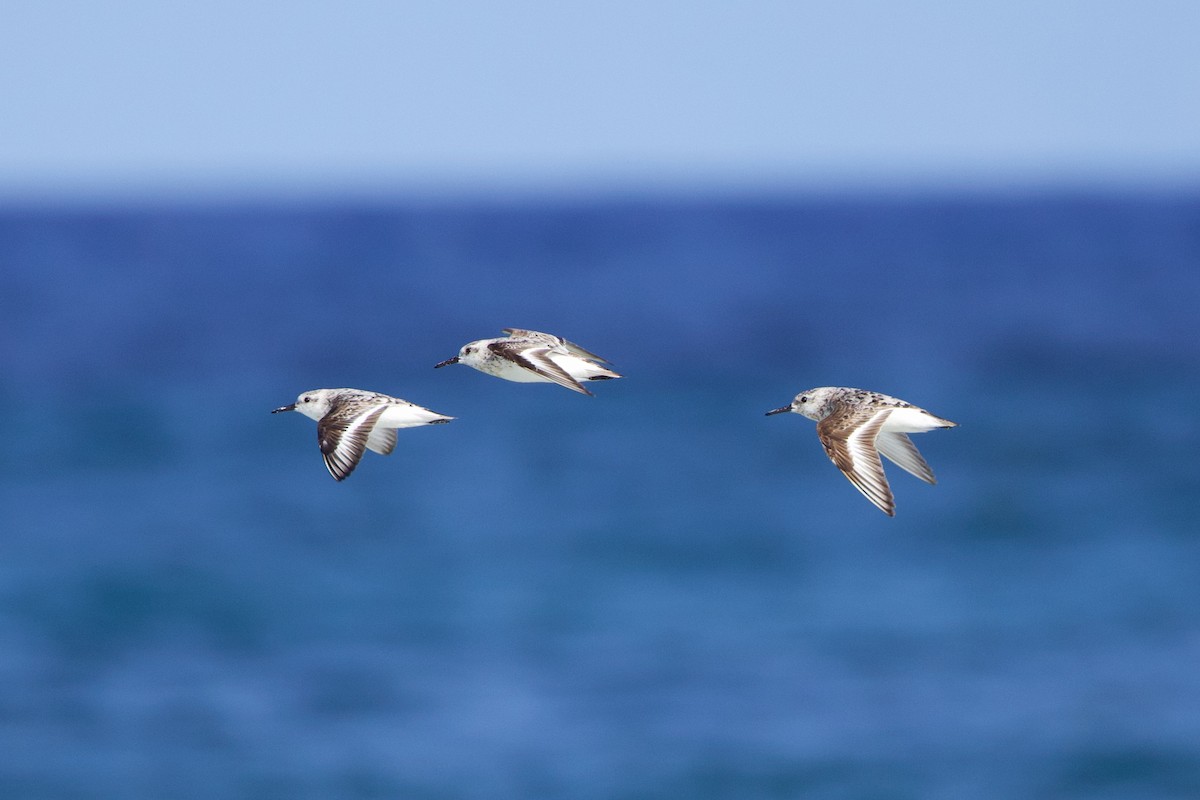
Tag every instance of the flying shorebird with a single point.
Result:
(856, 426)
(351, 421)
(534, 357)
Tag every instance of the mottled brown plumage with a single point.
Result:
(856, 426)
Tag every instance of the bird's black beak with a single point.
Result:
(292, 407)
(779, 410)
(447, 361)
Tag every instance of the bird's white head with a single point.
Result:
(472, 354)
(814, 404)
(314, 404)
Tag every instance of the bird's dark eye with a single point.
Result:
(306, 400)
(803, 399)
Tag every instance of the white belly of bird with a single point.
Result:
(398, 416)
(577, 368)
(911, 420)
(503, 368)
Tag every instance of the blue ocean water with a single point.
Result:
(657, 592)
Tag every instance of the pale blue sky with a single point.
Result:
(142, 95)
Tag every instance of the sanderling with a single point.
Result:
(350, 421)
(855, 426)
(534, 357)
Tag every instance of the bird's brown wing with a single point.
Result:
(848, 436)
(342, 436)
(537, 360)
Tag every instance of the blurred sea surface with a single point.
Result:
(657, 592)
